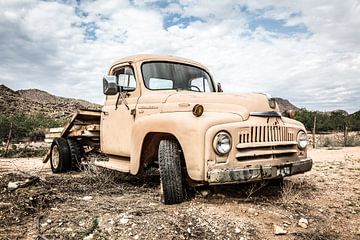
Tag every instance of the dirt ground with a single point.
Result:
(107, 205)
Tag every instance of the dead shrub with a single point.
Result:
(353, 141)
(322, 231)
(254, 188)
(100, 175)
(328, 142)
(290, 192)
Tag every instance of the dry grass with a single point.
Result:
(100, 175)
(254, 188)
(323, 231)
(290, 192)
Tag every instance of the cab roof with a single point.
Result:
(156, 57)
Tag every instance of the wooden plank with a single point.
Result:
(67, 128)
(82, 133)
(47, 156)
(56, 130)
(53, 135)
(93, 127)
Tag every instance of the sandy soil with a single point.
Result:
(107, 205)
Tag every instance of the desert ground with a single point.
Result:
(97, 204)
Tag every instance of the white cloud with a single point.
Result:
(66, 48)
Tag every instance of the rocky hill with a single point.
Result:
(285, 105)
(33, 101)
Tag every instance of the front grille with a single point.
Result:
(266, 142)
(266, 134)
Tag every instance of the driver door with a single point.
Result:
(116, 118)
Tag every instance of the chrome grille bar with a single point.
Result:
(266, 133)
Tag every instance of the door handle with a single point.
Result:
(105, 113)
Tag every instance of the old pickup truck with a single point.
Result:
(168, 112)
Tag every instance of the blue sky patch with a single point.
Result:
(276, 26)
(176, 19)
(156, 4)
(256, 19)
(89, 29)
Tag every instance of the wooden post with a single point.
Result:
(8, 141)
(314, 131)
(345, 134)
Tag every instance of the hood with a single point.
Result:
(241, 103)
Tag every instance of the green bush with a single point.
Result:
(328, 142)
(354, 121)
(329, 121)
(26, 126)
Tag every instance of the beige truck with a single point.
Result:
(167, 112)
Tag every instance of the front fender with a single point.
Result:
(188, 130)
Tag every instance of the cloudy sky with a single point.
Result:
(305, 51)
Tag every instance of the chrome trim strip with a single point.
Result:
(265, 114)
(264, 144)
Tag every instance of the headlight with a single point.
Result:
(222, 143)
(302, 139)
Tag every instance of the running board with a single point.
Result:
(121, 164)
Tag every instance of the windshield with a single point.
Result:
(166, 75)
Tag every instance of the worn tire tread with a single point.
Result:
(76, 153)
(170, 171)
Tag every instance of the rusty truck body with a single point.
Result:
(167, 112)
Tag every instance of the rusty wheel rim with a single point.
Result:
(55, 159)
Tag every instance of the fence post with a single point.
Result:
(345, 134)
(314, 131)
(9, 140)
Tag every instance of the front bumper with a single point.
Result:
(234, 175)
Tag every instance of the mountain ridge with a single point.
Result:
(285, 105)
(31, 101)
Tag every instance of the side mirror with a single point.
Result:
(110, 86)
(219, 89)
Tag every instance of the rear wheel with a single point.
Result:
(171, 180)
(76, 154)
(60, 156)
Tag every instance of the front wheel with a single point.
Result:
(170, 172)
(60, 159)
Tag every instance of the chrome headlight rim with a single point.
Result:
(302, 141)
(222, 138)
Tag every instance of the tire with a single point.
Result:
(171, 180)
(60, 160)
(76, 153)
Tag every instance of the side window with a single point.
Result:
(200, 84)
(125, 77)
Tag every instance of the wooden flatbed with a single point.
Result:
(85, 124)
